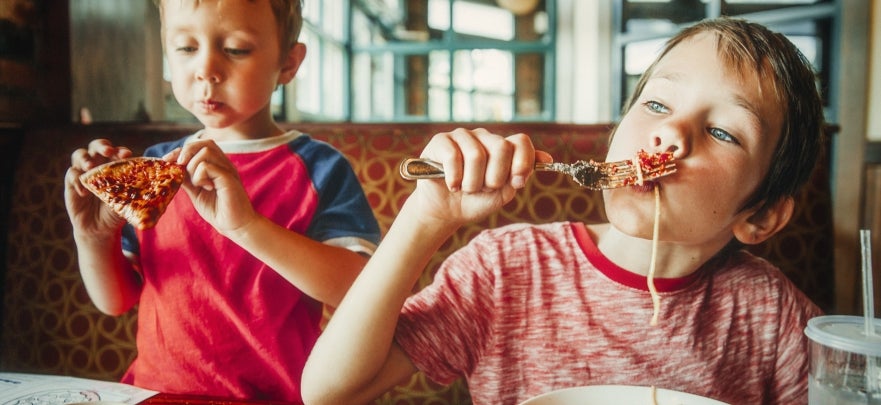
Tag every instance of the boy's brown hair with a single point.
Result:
(772, 57)
(288, 17)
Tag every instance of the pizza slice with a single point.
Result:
(138, 189)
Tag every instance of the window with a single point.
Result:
(424, 60)
(320, 87)
(643, 26)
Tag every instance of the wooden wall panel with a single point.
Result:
(34, 61)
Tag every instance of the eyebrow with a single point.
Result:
(188, 29)
(758, 120)
(671, 76)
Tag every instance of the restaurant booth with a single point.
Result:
(50, 326)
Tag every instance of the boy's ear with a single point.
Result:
(291, 63)
(760, 224)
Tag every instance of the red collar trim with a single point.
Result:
(619, 274)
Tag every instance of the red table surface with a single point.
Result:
(185, 399)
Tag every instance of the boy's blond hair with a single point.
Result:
(288, 17)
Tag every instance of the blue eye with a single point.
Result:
(656, 107)
(722, 135)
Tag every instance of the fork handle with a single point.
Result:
(421, 168)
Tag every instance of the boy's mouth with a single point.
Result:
(646, 187)
(208, 105)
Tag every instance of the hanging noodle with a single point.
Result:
(656, 299)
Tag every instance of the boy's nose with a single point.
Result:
(674, 138)
(208, 69)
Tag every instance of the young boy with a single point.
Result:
(272, 223)
(527, 309)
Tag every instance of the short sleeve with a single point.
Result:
(445, 327)
(344, 216)
(792, 366)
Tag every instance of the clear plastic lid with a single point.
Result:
(845, 332)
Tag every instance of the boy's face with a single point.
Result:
(224, 58)
(722, 125)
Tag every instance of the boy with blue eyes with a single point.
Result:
(527, 309)
(230, 282)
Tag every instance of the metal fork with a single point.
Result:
(589, 174)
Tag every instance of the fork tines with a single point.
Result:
(644, 167)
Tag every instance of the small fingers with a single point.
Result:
(475, 148)
(185, 154)
(98, 151)
(80, 158)
(478, 160)
(204, 161)
(72, 178)
(200, 175)
(444, 149)
(103, 147)
(544, 157)
(172, 156)
(522, 160)
(500, 153)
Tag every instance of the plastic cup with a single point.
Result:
(845, 361)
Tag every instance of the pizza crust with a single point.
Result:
(138, 189)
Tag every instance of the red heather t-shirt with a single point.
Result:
(524, 310)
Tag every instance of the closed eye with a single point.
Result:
(237, 51)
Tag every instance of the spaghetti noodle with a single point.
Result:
(656, 299)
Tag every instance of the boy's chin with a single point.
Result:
(211, 121)
(631, 224)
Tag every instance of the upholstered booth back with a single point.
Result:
(49, 325)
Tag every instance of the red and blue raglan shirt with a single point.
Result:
(213, 319)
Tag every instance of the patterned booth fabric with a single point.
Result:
(50, 326)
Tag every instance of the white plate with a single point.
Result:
(618, 394)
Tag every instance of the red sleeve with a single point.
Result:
(445, 326)
(793, 363)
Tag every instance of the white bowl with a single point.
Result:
(618, 394)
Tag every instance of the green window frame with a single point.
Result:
(641, 26)
(419, 60)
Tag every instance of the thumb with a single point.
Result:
(543, 157)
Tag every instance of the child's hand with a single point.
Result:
(482, 173)
(88, 214)
(214, 186)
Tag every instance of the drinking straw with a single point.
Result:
(868, 290)
(872, 372)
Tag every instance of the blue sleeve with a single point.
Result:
(162, 149)
(343, 209)
(130, 240)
